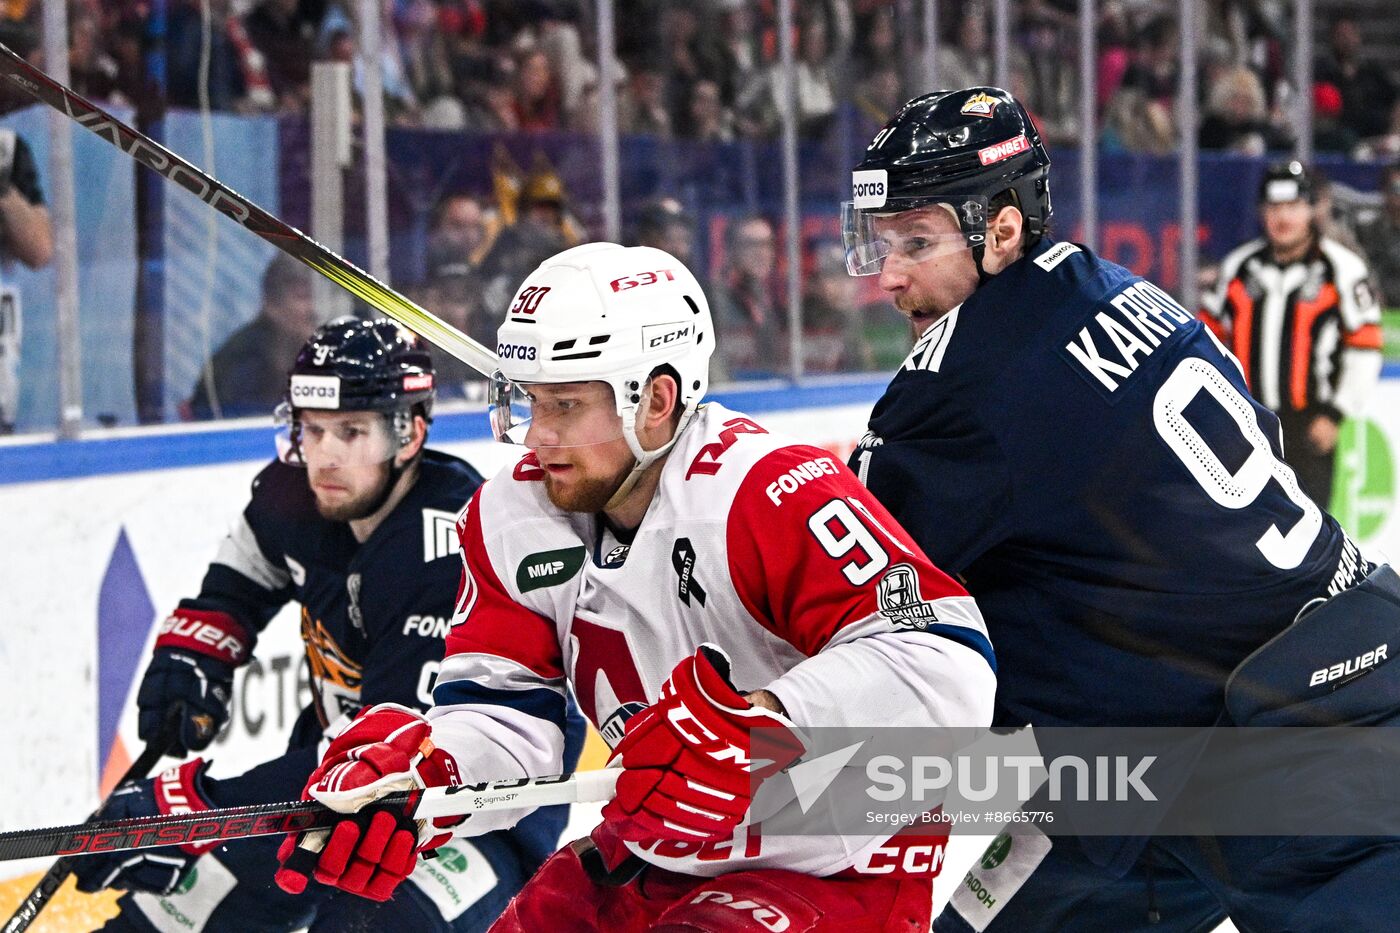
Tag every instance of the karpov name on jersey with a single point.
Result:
(1146, 317)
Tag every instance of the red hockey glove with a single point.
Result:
(686, 759)
(387, 748)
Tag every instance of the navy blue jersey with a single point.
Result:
(1086, 455)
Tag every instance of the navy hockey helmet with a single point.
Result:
(1288, 181)
(350, 364)
(959, 149)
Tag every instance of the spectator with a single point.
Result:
(1381, 237)
(490, 96)
(537, 234)
(878, 97)
(1141, 114)
(965, 60)
(1368, 93)
(537, 97)
(738, 49)
(456, 297)
(751, 329)
(759, 107)
(1297, 310)
(247, 375)
(26, 235)
(1329, 135)
(460, 237)
(1237, 115)
(643, 110)
(284, 31)
(833, 323)
(664, 224)
(92, 72)
(708, 119)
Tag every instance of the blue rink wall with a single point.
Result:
(102, 536)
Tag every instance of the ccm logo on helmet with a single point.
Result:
(515, 351)
(664, 335)
(315, 391)
(1004, 150)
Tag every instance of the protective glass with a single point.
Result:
(536, 415)
(339, 438)
(912, 230)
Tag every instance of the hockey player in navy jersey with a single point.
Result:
(694, 578)
(355, 524)
(1087, 457)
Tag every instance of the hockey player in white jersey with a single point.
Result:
(694, 578)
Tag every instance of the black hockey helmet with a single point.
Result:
(960, 149)
(350, 364)
(1288, 181)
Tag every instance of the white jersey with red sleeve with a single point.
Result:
(770, 549)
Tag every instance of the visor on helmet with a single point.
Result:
(340, 438)
(910, 229)
(553, 415)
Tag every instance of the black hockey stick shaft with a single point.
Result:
(226, 201)
(146, 832)
(38, 898)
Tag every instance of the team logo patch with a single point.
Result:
(683, 561)
(980, 105)
(617, 556)
(900, 601)
(549, 568)
(1006, 150)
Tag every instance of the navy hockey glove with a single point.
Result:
(195, 655)
(182, 789)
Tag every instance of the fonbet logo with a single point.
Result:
(1004, 150)
(869, 188)
(315, 391)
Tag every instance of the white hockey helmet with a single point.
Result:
(606, 313)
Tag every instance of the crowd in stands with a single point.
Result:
(709, 69)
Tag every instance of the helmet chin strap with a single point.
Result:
(644, 458)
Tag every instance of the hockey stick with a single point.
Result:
(29, 908)
(147, 832)
(229, 202)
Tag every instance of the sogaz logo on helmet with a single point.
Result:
(660, 336)
(516, 351)
(870, 188)
(315, 391)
